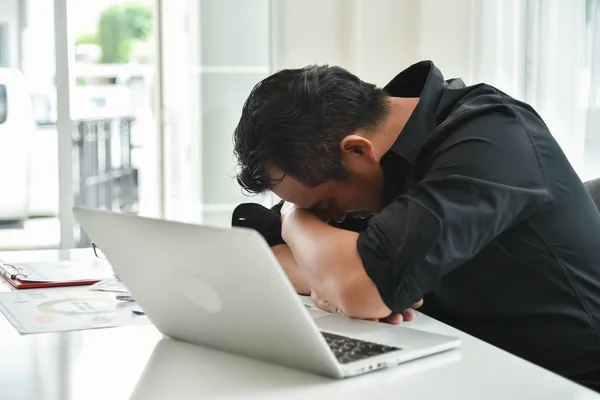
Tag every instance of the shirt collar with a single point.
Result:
(423, 80)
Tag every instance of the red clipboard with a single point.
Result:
(18, 277)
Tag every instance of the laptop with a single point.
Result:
(224, 289)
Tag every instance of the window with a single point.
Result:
(223, 50)
(3, 104)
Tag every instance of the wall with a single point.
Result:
(376, 39)
(311, 32)
(445, 35)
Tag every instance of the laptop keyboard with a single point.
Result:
(348, 349)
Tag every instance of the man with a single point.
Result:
(433, 190)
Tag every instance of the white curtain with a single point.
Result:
(592, 127)
(547, 53)
(498, 45)
(558, 82)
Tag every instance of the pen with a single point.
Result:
(125, 297)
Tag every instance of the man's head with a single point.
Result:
(306, 135)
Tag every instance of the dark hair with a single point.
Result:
(296, 119)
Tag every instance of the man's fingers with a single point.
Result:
(394, 319)
(322, 303)
(287, 207)
(397, 319)
(408, 315)
(325, 306)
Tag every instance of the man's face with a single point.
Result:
(334, 199)
(359, 195)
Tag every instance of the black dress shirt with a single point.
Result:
(489, 223)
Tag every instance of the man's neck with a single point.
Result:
(400, 111)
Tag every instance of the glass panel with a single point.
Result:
(111, 106)
(225, 45)
(29, 210)
(113, 120)
(222, 98)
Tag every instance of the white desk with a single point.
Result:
(137, 363)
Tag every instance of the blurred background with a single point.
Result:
(131, 105)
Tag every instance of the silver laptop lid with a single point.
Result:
(221, 288)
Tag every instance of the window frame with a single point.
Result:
(3, 104)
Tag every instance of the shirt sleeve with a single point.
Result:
(480, 182)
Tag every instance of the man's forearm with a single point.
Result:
(331, 265)
(290, 267)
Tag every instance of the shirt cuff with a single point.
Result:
(264, 221)
(393, 247)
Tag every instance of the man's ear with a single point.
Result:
(356, 146)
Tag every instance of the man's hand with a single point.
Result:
(288, 208)
(393, 319)
(406, 315)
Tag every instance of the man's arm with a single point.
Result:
(290, 267)
(297, 277)
(268, 223)
(467, 199)
(331, 265)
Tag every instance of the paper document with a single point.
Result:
(67, 310)
(58, 271)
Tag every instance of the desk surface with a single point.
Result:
(138, 363)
